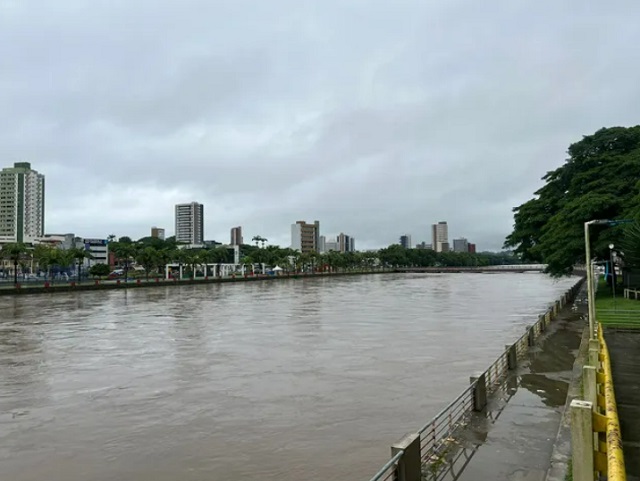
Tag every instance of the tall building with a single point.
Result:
(322, 244)
(190, 223)
(157, 232)
(440, 234)
(346, 243)
(236, 236)
(405, 241)
(305, 237)
(472, 248)
(21, 203)
(460, 245)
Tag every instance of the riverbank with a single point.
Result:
(518, 434)
(97, 284)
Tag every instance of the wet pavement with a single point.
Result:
(514, 439)
(306, 379)
(624, 349)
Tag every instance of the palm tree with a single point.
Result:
(15, 253)
(247, 261)
(79, 255)
(148, 258)
(263, 241)
(124, 252)
(45, 256)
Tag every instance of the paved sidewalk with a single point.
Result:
(624, 349)
(515, 438)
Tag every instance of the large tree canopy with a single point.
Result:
(599, 180)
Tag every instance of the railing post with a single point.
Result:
(532, 336)
(479, 391)
(512, 357)
(410, 463)
(594, 358)
(542, 320)
(589, 383)
(582, 440)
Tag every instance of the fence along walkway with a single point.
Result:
(428, 453)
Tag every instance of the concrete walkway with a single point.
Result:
(515, 437)
(624, 349)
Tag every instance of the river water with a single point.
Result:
(300, 379)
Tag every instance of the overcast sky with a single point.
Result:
(377, 118)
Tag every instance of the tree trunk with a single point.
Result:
(15, 272)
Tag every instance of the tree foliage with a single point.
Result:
(599, 180)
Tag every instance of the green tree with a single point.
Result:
(15, 253)
(599, 180)
(99, 270)
(147, 257)
(124, 252)
(79, 255)
(46, 257)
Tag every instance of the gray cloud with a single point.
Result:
(377, 118)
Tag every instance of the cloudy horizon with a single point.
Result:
(376, 118)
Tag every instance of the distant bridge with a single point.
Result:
(485, 269)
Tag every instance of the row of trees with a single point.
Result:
(48, 258)
(154, 254)
(599, 180)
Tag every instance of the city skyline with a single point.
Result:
(189, 219)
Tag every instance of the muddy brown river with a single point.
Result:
(300, 379)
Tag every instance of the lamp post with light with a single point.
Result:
(613, 274)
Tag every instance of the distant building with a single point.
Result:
(424, 245)
(236, 236)
(472, 248)
(157, 233)
(21, 204)
(440, 234)
(97, 248)
(322, 244)
(346, 243)
(405, 241)
(460, 245)
(305, 237)
(59, 241)
(190, 223)
(330, 246)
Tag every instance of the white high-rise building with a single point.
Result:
(190, 223)
(21, 204)
(440, 234)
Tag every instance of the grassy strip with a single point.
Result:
(618, 311)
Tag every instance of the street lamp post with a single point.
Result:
(613, 274)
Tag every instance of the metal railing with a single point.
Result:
(430, 452)
(437, 436)
(388, 472)
(596, 440)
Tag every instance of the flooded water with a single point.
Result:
(299, 379)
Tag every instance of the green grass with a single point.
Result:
(569, 475)
(618, 311)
